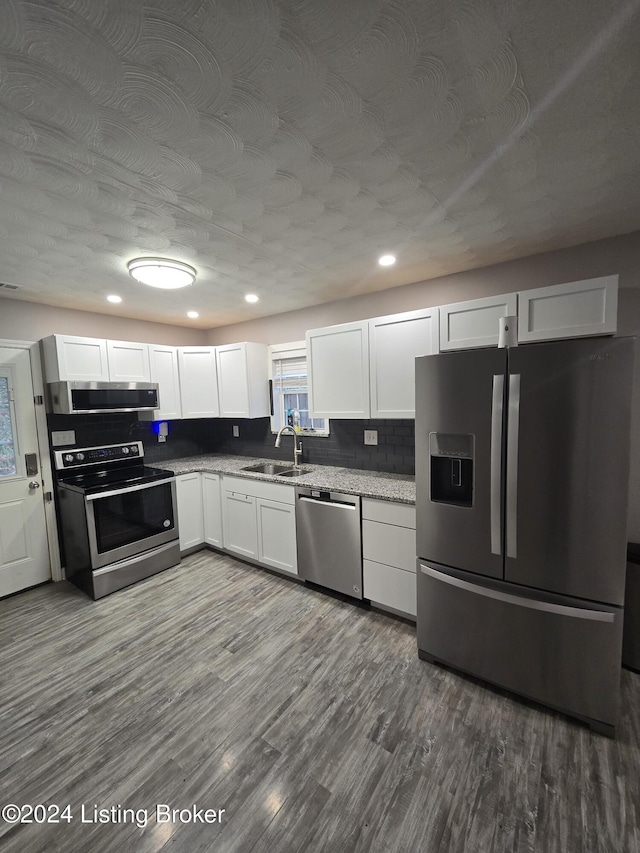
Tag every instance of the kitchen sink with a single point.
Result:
(294, 472)
(266, 468)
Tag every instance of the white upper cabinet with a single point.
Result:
(573, 310)
(73, 358)
(198, 382)
(128, 361)
(338, 371)
(465, 325)
(68, 357)
(164, 370)
(243, 371)
(395, 342)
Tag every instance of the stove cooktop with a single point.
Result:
(114, 478)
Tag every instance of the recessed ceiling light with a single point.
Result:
(192, 314)
(162, 272)
(251, 297)
(113, 298)
(386, 260)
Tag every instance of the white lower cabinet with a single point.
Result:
(240, 524)
(212, 509)
(389, 555)
(259, 522)
(190, 518)
(277, 535)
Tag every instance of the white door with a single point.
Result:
(24, 554)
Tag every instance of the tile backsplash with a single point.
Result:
(344, 447)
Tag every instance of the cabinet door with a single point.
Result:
(394, 343)
(164, 371)
(239, 524)
(128, 362)
(277, 535)
(212, 509)
(189, 498)
(198, 382)
(233, 381)
(243, 378)
(573, 310)
(74, 358)
(466, 325)
(338, 366)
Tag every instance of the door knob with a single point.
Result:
(34, 485)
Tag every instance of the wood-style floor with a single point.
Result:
(312, 722)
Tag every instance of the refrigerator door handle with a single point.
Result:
(513, 425)
(520, 600)
(496, 463)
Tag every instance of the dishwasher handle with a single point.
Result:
(339, 504)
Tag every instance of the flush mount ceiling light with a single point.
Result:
(162, 272)
(386, 260)
(251, 297)
(113, 298)
(193, 314)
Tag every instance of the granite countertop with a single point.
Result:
(368, 484)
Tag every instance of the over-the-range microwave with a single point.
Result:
(91, 398)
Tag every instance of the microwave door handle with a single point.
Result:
(496, 463)
(513, 427)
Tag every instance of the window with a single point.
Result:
(288, 373)
(8, 467)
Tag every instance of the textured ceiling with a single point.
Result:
(280, 147)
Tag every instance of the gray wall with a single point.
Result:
(31, 321)
(617, 255)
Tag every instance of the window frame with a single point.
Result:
(7, 373)
(277, 352)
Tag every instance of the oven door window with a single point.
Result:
(130, 517)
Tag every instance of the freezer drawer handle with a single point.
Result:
(520, 601)
(496, 462)
(513, 425)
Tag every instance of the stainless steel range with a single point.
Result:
(117, 516)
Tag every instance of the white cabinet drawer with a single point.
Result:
(261, 489)
(388, 512)
(390, 587)
(386, 543)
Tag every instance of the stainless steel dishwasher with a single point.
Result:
(329, 540)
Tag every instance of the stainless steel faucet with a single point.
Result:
(297, 446)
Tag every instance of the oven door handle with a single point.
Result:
(112, 493)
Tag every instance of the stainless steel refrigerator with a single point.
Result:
(522, 466)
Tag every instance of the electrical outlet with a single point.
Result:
(62, 437)
(236, 431)
(371, 436)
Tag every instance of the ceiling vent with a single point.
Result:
(9, 286)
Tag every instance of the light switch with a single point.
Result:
(236, 431)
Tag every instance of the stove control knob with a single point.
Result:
(125, 451)
(134, 448)
(68, 457)
(79, 457)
